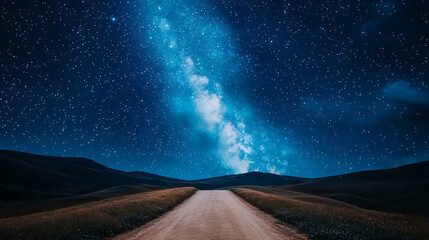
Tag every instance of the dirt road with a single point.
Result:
(217, 214)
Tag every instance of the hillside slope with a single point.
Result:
(30, 177)
(26, 176)
(33, 178)
(403, 189)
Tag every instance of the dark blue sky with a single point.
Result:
(194, 89)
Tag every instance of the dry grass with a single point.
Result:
(320, 219)
(25, 208)
(95, 220)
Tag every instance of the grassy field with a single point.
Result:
(321, 218)
(94, 220)
(25, 208)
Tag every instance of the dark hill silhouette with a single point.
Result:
(402, 189)
(28, 177)
(251, 178)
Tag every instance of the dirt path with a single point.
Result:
(217, 214)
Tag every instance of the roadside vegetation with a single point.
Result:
(321, 218)
(95, 220)
(29, 207)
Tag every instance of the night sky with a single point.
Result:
(194, 89)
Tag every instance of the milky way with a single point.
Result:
(198, 56)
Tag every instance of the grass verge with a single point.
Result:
(25, 208)
(95, 220)
(323, 220)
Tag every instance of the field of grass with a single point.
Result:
(322, 218)
(94, 220)
(25, 208)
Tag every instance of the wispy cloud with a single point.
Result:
(209, 106)
(402, 91)
(395, 97)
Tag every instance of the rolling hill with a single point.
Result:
(29, 177)
(47, 181)
(403, 189)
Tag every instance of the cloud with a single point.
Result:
(235, 150)
(395, 100)
(209, 106)
(189, 63)
(199, 80)
(402, 92)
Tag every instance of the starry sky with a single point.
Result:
(195, 89)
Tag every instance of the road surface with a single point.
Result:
(217, 214)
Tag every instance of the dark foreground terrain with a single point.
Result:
(94, 220)
(47, 197)
(403, 189)
(323, 218)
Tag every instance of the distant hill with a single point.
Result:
(251, 178)
(403, 189)
(29, 177)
